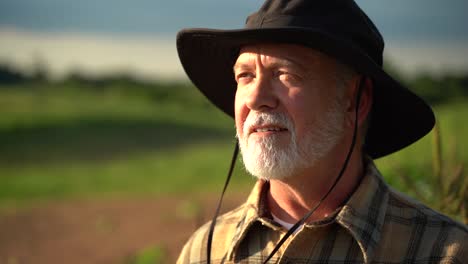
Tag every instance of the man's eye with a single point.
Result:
(243, 76)
(282, 74)
(285, 76)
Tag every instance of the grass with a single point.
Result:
(191, 169)
(38, 105)
(148, 255)
(60, 141)
(65, 142)
(416, 160)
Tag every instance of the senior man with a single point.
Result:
(313, 108)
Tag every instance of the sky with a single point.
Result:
(102, 36)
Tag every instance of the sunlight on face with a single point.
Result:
(286, 117)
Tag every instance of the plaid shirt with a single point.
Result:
(376, 225)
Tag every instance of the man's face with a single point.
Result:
(288, 109)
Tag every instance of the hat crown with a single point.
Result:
(341, 18)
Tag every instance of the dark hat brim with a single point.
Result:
(399, 117)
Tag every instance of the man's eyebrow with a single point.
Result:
(240, 66)
(277, 63)
(288, 62)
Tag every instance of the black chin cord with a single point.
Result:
(213, 222)
(305, 217)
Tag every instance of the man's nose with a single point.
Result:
(261, 96)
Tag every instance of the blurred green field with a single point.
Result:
(416, 160)
(63, 141)
(60, 141)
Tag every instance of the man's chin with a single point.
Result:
(270, 174)
(271, 142)
(269, 164)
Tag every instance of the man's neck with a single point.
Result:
(290, 199)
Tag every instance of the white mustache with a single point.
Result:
(262, 118)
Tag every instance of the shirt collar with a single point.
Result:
(254, 209)
(363, 214)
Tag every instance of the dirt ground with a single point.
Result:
(102, 230)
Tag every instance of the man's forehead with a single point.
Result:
(288, 54)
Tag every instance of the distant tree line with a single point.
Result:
(434, 89)
(439, 89)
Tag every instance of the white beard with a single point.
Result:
(265, 159)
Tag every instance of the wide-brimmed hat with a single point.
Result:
(338, 28)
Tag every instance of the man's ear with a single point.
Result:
(365, 102)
